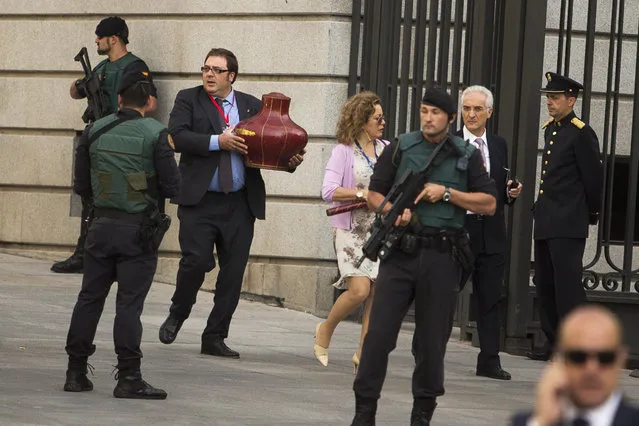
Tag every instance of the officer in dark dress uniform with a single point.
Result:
(124, 162)
(112, 36)
(429, 274)
(569, 198)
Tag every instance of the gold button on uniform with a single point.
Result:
(541, 191)
(548, 152)
(554, 133)
(551, 142)
(543, 172)
(541, 182)
(546, 162)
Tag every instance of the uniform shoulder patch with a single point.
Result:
(171, 144)
(543, 126)
(577, 122)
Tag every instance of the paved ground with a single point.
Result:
(277, 381)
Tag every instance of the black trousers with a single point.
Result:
(430, 278)
(488, 277)
(226, 222)
(112, 254)
(558, 273)
(85, 223)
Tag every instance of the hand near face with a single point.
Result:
(431, 193)
(550, 390)
(514, 192)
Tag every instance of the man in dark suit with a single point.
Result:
(580, 385)
(488, 233)
(569, 199)
(220, 198)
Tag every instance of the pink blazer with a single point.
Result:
(339, 173)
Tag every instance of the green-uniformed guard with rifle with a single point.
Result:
(125, 163)
(422, 186)
(99, 86)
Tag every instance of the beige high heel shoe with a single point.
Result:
(321, 353)
(355, 360)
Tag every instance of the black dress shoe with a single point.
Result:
(219, 348)
(539, 355)
(494, 373)
(133, 387)
(169, 329)
(73, 265)
(77, 381)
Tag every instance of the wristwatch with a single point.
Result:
(446, 197)
(359, 195)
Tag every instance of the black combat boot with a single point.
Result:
(423, 409)
(74, 264)
(130, 384)
(77, 380)
(365, 409)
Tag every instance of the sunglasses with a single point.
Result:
(579, 357)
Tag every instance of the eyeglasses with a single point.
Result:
(205, 69)
(579, 357)
(379, 119)
(476, 109)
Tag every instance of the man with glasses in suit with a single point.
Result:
(220, 197)
(580, 386)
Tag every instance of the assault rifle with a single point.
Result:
(385, 236)
(89, 86)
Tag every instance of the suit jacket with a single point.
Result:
(571, 181)
(626, 415)
(192, 121)
(494, 227)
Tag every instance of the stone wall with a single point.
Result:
(298, 47)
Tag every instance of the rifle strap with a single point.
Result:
(108, 127)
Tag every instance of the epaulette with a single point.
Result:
(577, 122)
(547, 123)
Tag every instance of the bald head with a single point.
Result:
(591, 351)
(590, 323)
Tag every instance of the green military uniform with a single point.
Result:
(426, 272)
(124, 163)
(110, 74)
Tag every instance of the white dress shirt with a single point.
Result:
(602, 415)
(468, 136)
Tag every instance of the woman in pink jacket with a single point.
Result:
(346, 179)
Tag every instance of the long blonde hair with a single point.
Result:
(356, 111)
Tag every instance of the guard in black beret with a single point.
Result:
(441, 99)
(124, 164)
(113, 25)
(133, 77)
(112, 35)
(568, 201)
(433, 259)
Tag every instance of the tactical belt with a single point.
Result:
(120, 215)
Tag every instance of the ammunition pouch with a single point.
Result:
(455, 242)
(152, 230)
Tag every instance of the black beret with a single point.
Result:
(132, 77)
(441, 99)
(560, 84)
(113, 25)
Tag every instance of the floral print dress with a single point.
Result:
(349, 242)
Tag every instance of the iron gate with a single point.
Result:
(400, 48)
